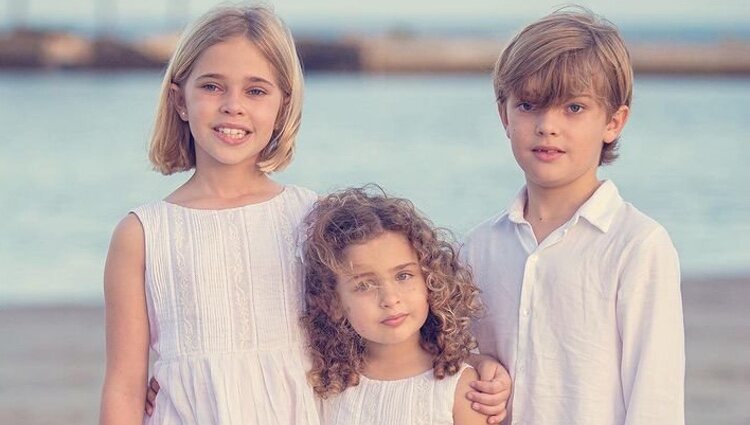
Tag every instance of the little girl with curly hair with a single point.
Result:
(389, 306)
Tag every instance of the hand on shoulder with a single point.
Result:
(463, 414)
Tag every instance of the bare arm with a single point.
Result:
(463, 414)
(127, 326)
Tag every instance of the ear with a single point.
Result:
(503, 117)
(616, 124)
(178, 101)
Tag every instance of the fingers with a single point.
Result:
(488, 370)
(495, 414)
(153, 390)
(498, 398)
(496, 419)
(490, 398)
(488, 404)
(490, 387)
(150, 397)
(503, 377)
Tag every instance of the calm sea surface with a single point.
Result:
(73, 161)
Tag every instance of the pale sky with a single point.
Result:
(348, 13)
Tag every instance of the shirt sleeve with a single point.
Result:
(649, 317)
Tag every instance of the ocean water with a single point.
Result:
(73, 161)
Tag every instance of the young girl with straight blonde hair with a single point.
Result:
(208, 277)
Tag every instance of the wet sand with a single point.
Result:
(52, 358)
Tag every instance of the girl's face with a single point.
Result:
(231, 99)
(383, 294)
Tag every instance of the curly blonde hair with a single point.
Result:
(355, 216)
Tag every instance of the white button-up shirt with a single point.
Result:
(588, 322)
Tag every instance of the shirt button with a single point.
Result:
(521, 368)
(525, 311)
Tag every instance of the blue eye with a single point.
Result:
(364, 286)
(210, 87)
(404, 276)
(256, 92)
(575, 108)
(525, 106)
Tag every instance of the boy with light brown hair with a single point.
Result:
(582, 289)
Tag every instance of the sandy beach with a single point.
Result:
(52, 358)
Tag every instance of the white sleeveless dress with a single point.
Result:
(419, 400)
(223, 290)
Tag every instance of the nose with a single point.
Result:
(547, 123)
(232, 103)
(389, 296)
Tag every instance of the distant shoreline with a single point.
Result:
(394, 53)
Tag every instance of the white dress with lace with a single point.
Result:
(419, 400)
(223, 289)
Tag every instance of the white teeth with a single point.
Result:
(235, 133)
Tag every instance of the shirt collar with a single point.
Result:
(515, 210)
(599, 209)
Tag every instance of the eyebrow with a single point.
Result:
(397, 268)
(252, 79)
(581, 96)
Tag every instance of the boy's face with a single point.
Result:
(559, 146)
(384, 294)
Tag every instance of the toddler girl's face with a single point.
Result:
(383, 292)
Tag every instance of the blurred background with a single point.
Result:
(398, 93)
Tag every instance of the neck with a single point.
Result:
(228, 182)
(219, 187)
(548, 208)
(396, 361)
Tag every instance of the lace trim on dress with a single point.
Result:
(184, 284)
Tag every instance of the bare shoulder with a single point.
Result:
(129, 227)
(126, 256)
(463, 414)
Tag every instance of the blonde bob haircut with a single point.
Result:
(172, 146)
(568, 53)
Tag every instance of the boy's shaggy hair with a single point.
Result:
(563, 55)
(356, 216)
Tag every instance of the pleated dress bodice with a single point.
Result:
(419, 400)
(224, 296)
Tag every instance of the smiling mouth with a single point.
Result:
(548, 150)
(232, 133)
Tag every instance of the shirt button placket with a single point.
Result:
(529, 278)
